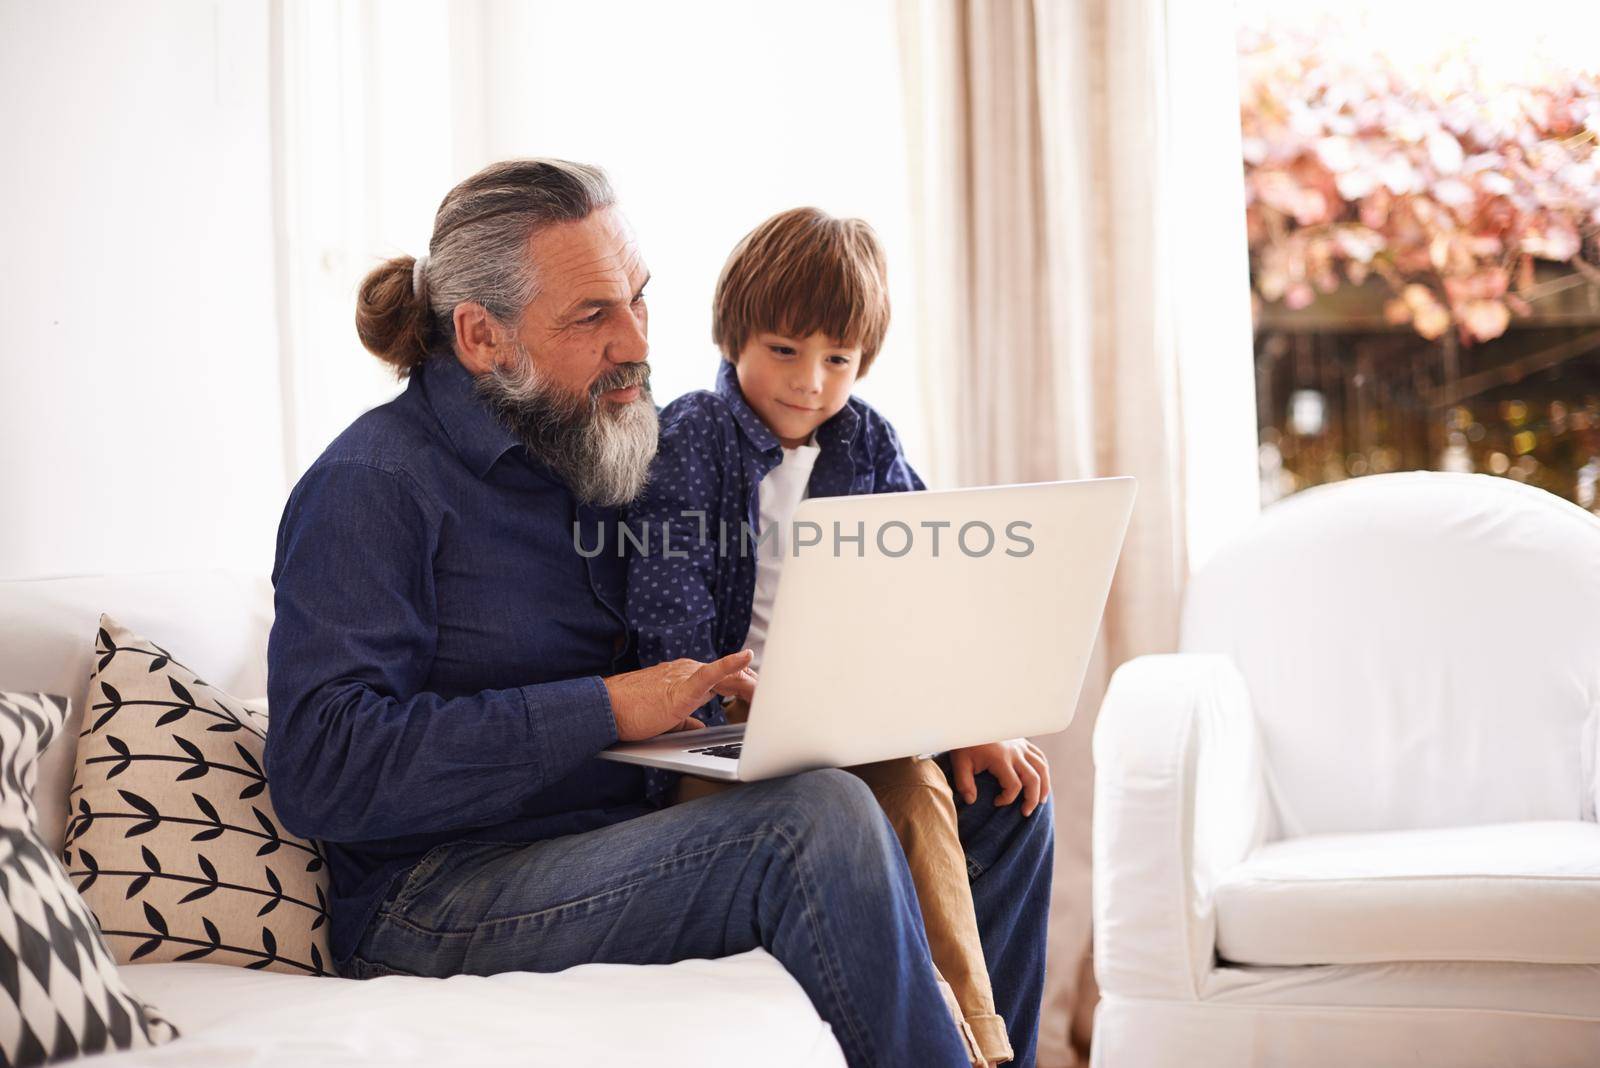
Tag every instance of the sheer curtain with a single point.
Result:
(1083, 307)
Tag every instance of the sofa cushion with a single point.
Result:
(1514, 892)
(172, 835)
(60, 992)
(740, 1010)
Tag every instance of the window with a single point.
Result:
(1423, 204)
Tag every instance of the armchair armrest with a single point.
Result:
(1180, 798)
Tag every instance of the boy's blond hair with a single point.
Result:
(802, 272)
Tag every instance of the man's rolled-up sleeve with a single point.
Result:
(357, 750)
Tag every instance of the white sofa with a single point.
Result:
(1352, 822)
(741, 1010)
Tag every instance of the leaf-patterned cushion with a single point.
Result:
(172, 837)
(60, 993)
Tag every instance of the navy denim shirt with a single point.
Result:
(435, 661)
(690, 595)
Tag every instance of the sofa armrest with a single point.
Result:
(1179, 799)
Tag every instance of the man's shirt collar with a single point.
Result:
(478, 437)
(838, 430)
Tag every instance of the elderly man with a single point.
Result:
(445, 665)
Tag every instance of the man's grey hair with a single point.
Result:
(481, 231)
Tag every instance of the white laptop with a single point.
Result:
(955, 618)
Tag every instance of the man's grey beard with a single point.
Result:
(602, 451)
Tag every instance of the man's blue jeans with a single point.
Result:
(806, 867)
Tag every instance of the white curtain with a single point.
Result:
(381, 108)
(374, 119)
(1083, 309)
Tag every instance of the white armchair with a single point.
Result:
(1354, 820)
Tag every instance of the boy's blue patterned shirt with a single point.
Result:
(715, 450)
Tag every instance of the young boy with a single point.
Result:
(800, 311)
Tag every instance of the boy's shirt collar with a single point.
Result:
(838, 430)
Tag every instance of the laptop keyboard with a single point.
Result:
(730, 750)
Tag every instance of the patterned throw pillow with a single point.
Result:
(60, 994)
(172, 837)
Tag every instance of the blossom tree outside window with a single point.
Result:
(1423, 209)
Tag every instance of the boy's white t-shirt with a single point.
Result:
(780, 494)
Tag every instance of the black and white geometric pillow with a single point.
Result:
(28, 723)
(60, 994)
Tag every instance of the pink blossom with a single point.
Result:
(1357, 170)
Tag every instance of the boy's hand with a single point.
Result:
(1020, 766)
(659, 699)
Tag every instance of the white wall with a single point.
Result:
(140, 425)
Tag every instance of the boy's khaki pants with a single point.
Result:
(917, 798)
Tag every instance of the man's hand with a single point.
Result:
(1019, 765)
(659, 699)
